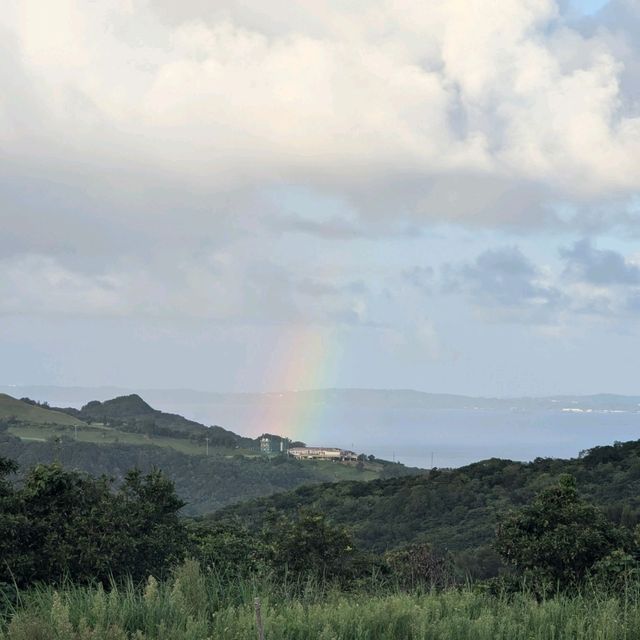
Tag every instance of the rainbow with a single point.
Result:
(303, 360)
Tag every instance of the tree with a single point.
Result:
(228, 548)
(419, 565)
(558, 538)
(68, 532)
(148, 509)
(309, 545)
(65, 524)
(14, 526)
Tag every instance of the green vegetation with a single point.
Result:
(194, 605)
(100, 434)
(457, 510)
(132, 414)
(497, 549)
(123, 415)
(96, 563)
(59, 524)
(559, 538)
(110, 437)
(62, 524)
(13, 411)
(205, 483)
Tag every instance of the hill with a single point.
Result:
(206, 483)
(132, 414)
(457, 509)
(212, 467)
(12, 409)
(457, 429)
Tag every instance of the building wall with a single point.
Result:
(320, 453)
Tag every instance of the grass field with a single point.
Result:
(100, 434)
(12, 408)
(192, 606)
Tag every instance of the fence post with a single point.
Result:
(259, 619)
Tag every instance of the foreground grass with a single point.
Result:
(192, 606)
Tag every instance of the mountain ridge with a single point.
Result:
(81, 395)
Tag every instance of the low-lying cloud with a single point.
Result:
(506, 281)
(586, 263)
(507, 285)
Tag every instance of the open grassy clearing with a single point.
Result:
(100, 434)
(13, 408)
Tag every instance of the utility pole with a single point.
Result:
(259, 625)
(432, 459)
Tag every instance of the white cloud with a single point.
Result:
(139, 139)
(342, 94)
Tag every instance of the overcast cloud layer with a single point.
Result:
(440, 195)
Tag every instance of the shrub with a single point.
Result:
(557, 539)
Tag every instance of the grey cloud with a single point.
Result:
(618, 215)
(331, 229)
(618, 24)
(507, 285)
(420, 277)
(337, 228)
(314, 287)
(633, 302)
(324, 300)
(90, 218)
(471, 199)
(586, 263)
(504, 279)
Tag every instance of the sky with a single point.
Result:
(259, 195)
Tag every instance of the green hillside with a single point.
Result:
(12, 409)
(113, 436)
(126, 419)
(457, 509)
(205, 483)
(132, 414)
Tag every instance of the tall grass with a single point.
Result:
(198, 606)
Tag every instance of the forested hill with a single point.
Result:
(205, 483)
(132, 413)
(457, 509)
(117, 418)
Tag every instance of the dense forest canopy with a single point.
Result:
(458, 509)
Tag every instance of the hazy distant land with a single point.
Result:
(406, 425)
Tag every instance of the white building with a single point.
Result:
(322, 453)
